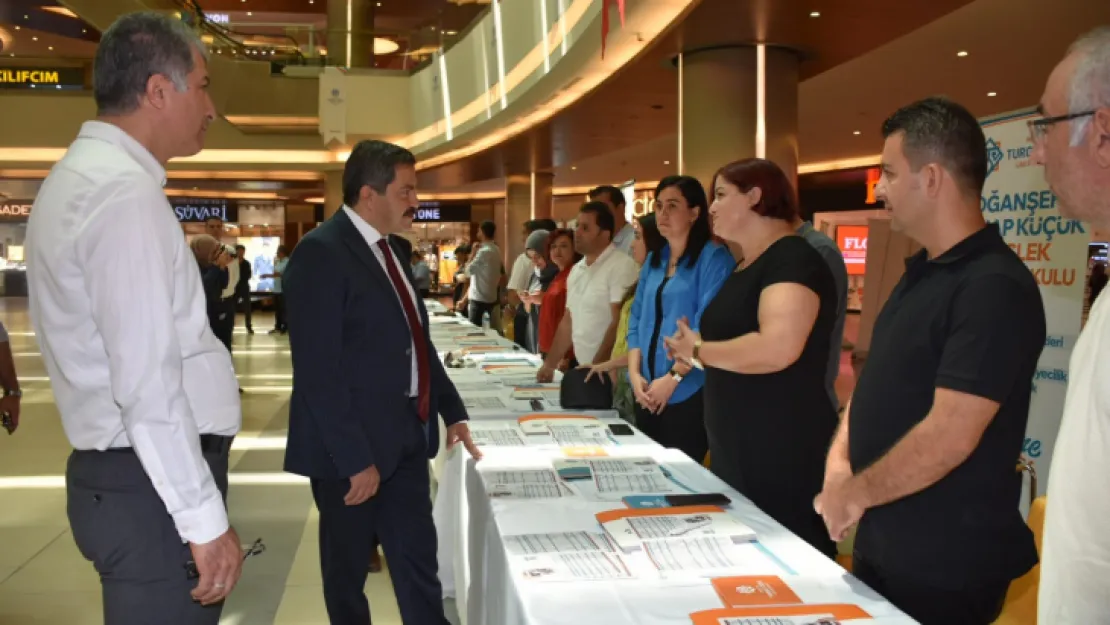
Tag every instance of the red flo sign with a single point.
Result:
(852, 241)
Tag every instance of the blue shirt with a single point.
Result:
(279, 267)
(686, 294)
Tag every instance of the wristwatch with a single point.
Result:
(13, 393)
(676, 375)
(695, 359)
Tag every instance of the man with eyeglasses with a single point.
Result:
(1072, 142)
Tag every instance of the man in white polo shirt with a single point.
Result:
(595, 288)
(1071, 140)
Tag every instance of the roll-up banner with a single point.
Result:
(1018, 199)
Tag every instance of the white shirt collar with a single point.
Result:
(600, 257)
(103, 131)
(368, 232)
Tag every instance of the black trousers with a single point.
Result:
(224, 325)
(400, 517)
(934, 606)
(120, 524)
(520, 327)
(678, 426)
(477, 310)
(245, 305)
(279, 313)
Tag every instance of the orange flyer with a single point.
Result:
(839, 611)
(754, 590)
(585, 452)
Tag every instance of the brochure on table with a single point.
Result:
(812, 614)
(630, 529)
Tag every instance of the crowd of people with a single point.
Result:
(720, 317)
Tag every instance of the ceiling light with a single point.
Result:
(49, 47)
(855, 132)
(991, 94)
(574, 167)
(385, 46)
(82, 30)
(815, 14)
(249, 14)
(666, 162)
(34, 38)
(26, 17)
(450, 32)
(962, 53)
(17, 28)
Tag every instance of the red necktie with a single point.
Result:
(423, 385)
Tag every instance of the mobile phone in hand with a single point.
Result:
(8, 422)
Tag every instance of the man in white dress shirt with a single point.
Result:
(595, 290)
(1072, 141)
(146, 392)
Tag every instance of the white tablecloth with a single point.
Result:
(474, 565)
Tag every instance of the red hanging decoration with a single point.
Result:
(605, 20)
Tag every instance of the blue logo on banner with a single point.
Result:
(995, 155)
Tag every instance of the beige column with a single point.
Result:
(350, 36)
(737, 102)
(527, 197)
(333, 192)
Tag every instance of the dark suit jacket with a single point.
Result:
(351, 349)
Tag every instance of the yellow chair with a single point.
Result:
(1021, 600)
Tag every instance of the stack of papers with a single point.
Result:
(565, 557)
(813, 614)
(496, 436)
(631, 528)
(524, 484)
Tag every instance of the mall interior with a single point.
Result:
(514, 109)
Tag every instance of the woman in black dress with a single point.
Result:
(764, 344)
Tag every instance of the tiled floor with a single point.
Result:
(45, 581)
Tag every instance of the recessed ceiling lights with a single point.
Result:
(249, 14)
(450, 32)
(17, 28)
(572, 166)
(991, 94)
(815, 14)
(50, 47)
(962, 53)
(83, 31)
(666, 162)
(855, 132)
(34, 38)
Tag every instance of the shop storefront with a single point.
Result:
(14, 214)
(437, 229)
(257, 225)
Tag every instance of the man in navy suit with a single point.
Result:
(367, 386)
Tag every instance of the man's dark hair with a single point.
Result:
(615, 195)
(241, 247)
(603, 214)
(488, 229)
(372, 164)
(531, 225)
(134, 48)
(545, 224)
(281, 249)
(938, 130)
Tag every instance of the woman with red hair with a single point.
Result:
(559, 251)
(764, 344)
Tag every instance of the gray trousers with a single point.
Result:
(121, 525)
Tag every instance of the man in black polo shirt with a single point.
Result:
(924, 459)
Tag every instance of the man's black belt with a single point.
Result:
(209, 444)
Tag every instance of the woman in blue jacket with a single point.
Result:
(677, 282)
